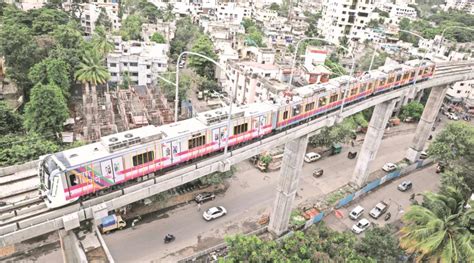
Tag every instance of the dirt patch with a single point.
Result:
(96, 255)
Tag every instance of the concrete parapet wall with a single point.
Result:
(4, 171)
(71, 247)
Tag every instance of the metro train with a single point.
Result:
(95, 168)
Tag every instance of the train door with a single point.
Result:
(258, 124)
(219, 136)
(175, 150)
(166, 153)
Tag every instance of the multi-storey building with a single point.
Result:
(397, 12)
(91, 11)
(345, 18)
(142, 61)
(27, 4)
(461, 91)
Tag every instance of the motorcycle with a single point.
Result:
(135, 221)
(387, 216)
(169, 238)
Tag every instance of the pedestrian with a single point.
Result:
(199, 206)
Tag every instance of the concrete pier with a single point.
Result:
(423, 130)
(287, 184)
(71, 247)
(373, 138)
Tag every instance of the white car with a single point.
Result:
(361, 226)
(453, 116)
(388, 167)
(214, 212)
(311, 157)
(378, 210)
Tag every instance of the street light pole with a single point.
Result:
(229, 116)
(332, 43)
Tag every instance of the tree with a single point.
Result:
(101, 43)
(275, 7)
(52, 71)
(413, 110)
(92, 70)
(186, 32)
(455, 147)
(16, 149)
(254, 37)
(126, 80)
(440, 229)
(208, 84)
(203, 67)
(69, 45)
(380, 244)
(45, 20)
(158, 38)
(10, 121)
(19, 49)
(335, 134)
(46, 111)
(247, 23)
(104, 20)
(132, 28)
(170, 90)
(364, 63)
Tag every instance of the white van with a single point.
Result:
(311, 157)
(356, 212)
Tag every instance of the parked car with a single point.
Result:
(389, 167)
(356, 212)
(203, 197)
(453, 116)
(378, 210)
(200, 95)
(318, 172)
(214, 94)
(361, 226)
(405, 186)
(311, 157)
(214, 212)
(423, 155)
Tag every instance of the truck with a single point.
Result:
(110, 223)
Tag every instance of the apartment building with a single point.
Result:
(166, 29)
(345, 18)
(26, 5)
(460, 91)
(463, 5)
(398, 11)
(91, 11)
(142, 61)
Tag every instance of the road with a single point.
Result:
(423, 180)
(251, 195)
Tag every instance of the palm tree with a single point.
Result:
(439, 230)
(92, 70)
(100, 41)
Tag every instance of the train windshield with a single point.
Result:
(48, 166)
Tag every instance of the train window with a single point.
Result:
(371, 86)
(406, 75)
(391, 79)
(285, 115)
(399, 77)
(412, 74)
(196, 142)
(240, 128)
(333, 98)
(143, 158)
(72, 180)
(296, 110)
(353, 91)
(382, 82)
(363, 88)
(322, 101)
(420, 72)
(309, 106)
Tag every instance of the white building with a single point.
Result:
(464, 5)
(397, 12)
(143, 61)
(166, 29)
(461, 91)
(92, 10)
(232, 12)
(27, 4)
(345, 18)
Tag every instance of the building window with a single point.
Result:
(125, 63)
(309, 107)
(240, 128)
(133, 64)
(113, 65)
(459, 91)
(143, 158)
(113, 74)
(285, 115)
(267, 75)
(135, 74)
(148, 66)
(196, 142)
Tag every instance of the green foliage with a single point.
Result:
(274, 7)
(312, 20)
(318, 244)
(381, 13)
(126, 80)
(380, 244)
(10, 121)
(132, 28)
(203, 67)
(216, 178)
(254, 36)
(45, 20)
(413, 109)
(91, 69)
(455, 147)
(46, 111)
(247, 23)
(360, 120)
(266, 159)
(101, 43)
(439, 230)
(16, 149)
(158, 38)
(170, 90)
(104, 20)
(208, 84)
(52, 71)
(186, 32)
(364, 62)
(336, 69)
(338, 133)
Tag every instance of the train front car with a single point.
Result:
(51, 173)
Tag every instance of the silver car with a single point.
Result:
(214, 212)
